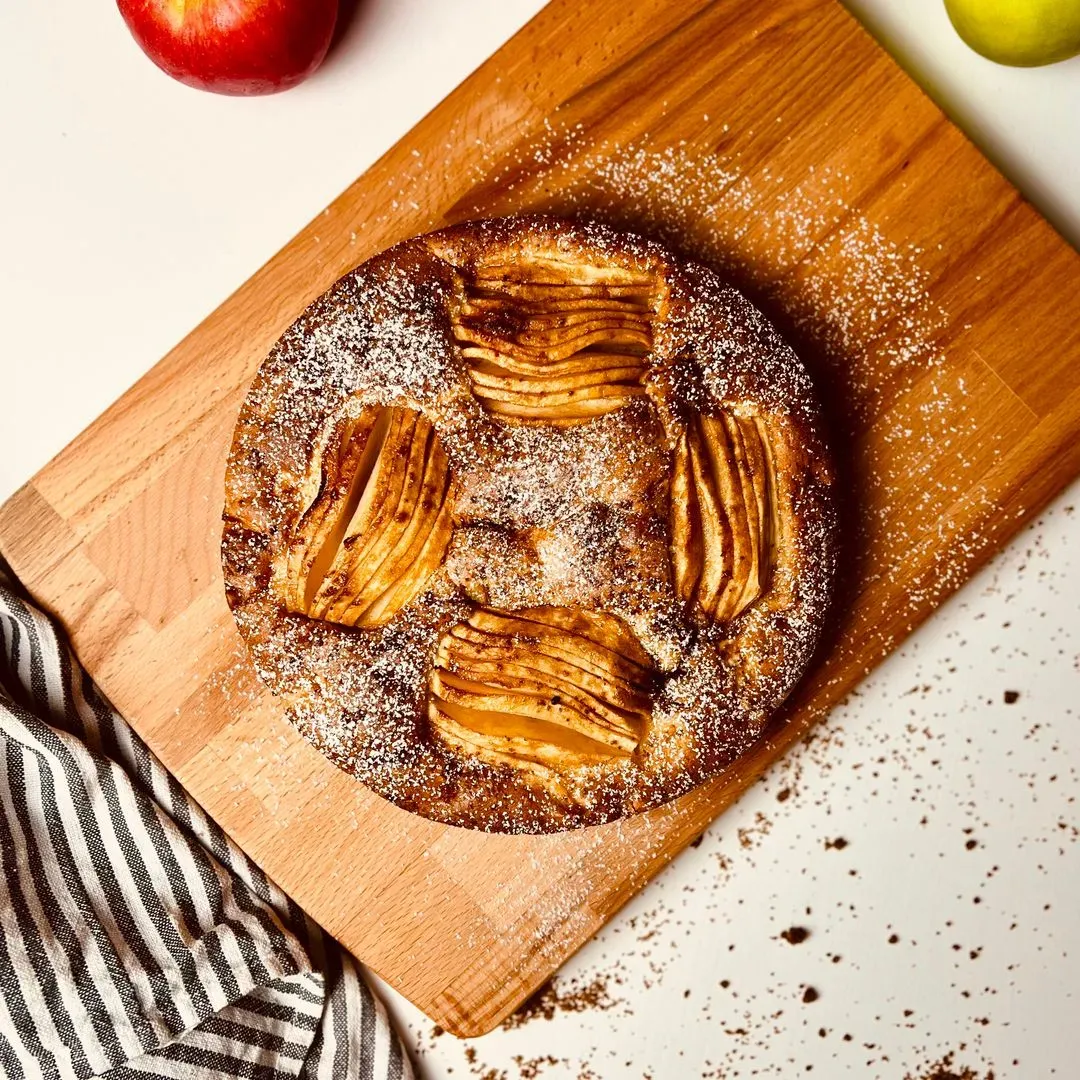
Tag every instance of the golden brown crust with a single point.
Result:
(530, 524)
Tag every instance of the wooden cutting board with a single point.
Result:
(936, 309)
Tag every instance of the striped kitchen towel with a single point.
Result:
(136, 940)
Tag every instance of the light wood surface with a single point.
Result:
(936, 309)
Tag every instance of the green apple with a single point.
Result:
(1024, 33)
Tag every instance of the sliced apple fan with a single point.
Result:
(543, 687)
(726, 523)
(556, 342)
(379, 521)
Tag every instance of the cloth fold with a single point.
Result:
(136, 940)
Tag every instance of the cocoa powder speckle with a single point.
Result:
(553, 997)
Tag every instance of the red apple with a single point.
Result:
(233, 46)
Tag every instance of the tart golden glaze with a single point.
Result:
(530, 524)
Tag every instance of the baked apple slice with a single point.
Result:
(549, 687)
(379, 524)
(724, 516)
(553, 342)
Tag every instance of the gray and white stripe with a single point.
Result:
(136, 940)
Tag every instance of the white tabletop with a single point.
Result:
(132, 205)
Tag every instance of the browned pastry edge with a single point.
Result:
(717, 375)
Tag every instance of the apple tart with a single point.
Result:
(530, 524)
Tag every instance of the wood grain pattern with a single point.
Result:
(932, 303)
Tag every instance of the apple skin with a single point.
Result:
(237, 47)
(1020, 33)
